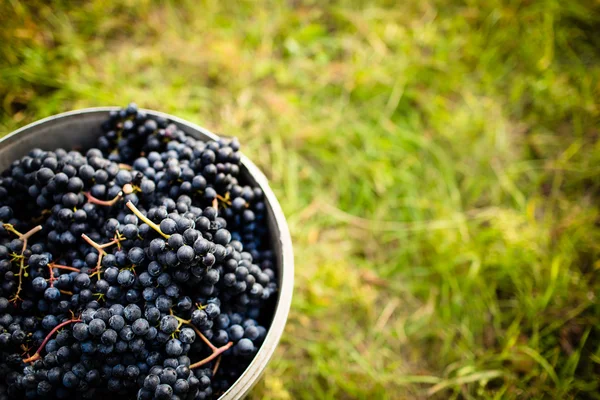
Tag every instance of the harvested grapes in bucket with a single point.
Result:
(141, 267)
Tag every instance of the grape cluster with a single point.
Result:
(141, 267)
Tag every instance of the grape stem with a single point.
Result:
(108, 203)
(146, 220)
(128, 188)
(100, 249)
(180, 320)
(204, 339)
(216, 351)
(23, 236)
(216, 367)
(225, 199)
(51, 267)
(38, 352)
(22, 267)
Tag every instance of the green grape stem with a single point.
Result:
(22, 267)
(146, 220)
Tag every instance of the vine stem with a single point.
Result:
(108, 203)
(128, 188)
(216, 367)
(204, 338)
(38, 352)
(22, 267)
(214, 355)
(180, 320)
(141, 216)
(51, 267)
(225, 199)
(23, 236)
(100, 249)
(216, 351)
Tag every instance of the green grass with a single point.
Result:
(438, 162)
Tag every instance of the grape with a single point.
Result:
(168, 324)
(116, 322)
(174, 347)
(126, 278)
(185, 254)
(126, 333)
(244, 347)
(122, 309)
(163, 392)
(168, 226)
(39, 284)
(97, 327)
(132, 312)
(187, 335)
(109, 337)
(236, 332)
(140, 327)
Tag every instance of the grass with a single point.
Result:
(438, 161)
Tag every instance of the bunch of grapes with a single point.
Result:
(141, 267)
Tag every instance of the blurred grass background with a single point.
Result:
(438, 160)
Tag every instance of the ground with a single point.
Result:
(438, 162)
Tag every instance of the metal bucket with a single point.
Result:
(80, 130)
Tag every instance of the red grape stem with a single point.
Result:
(216, 367)
(108, 203)
(22, 267)
(38, 352)
(204, 338)
(100, 248)
(214, 355)
(51, 267)
(216, 351)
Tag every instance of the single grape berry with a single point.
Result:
(126, 278)
(168, 226)
(80, 331)
(140, 326)
(174, 348)
(244, 347)
(97, 327)
(185, 254)
(168, 324)
(163, 392)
